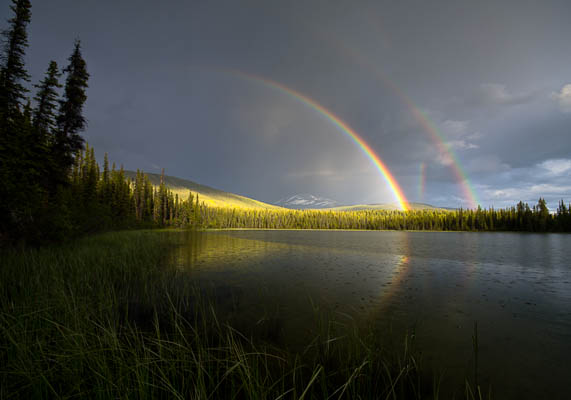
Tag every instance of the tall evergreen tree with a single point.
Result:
(19, 192)
(70, 121)
(542, 215)
(46, 101)
(105, 170)
(13, 71)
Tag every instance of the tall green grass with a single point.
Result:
(110, 316)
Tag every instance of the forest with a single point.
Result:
(53, 188)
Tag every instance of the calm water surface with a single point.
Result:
(517, 287)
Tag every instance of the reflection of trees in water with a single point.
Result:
(345, 277)
(209, 249)
(271, 288)
(226, 250)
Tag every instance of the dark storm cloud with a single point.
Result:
(489, 76)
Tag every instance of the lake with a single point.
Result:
(433, 285)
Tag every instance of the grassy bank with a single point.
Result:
(109, 317)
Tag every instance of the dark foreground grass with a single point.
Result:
(109, 317)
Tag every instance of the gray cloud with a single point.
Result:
(495, 94)
(556, 167)
(455, 128)
(486, 163)
(563, 98)
(549, 179)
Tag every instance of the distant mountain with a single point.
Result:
(386, 206)
(304, 201)
(210, 196)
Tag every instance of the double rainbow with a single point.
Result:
(421, 118)
(380, 166)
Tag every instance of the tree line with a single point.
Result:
(104, 199)
(518, 218)
(52, 187)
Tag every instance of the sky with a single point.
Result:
(464, 102)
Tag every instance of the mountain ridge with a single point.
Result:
(385, 206)
(306, 201)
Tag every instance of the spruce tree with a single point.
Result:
(13, 71)
(70, 121)
(542, 215)
(19, 191)
(105, 171)
(138, 195)
(149, 201)
(46, 101)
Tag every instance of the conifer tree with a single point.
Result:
(90, 176)
(19, 190)
(13, 71)
(46, 101)
(542, 215)
(70, 121)
(138, 195)
(149, 200)
(105, 170)
(162, 212)
(27, 113)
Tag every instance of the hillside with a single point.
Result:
(218, 198)
(210, 196)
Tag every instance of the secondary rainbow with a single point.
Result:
(443, 147)
(422, 119)
(380, 166)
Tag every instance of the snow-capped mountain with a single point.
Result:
(301, 201)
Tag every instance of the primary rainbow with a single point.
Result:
(381, 167)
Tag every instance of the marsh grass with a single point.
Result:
(109, 316)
